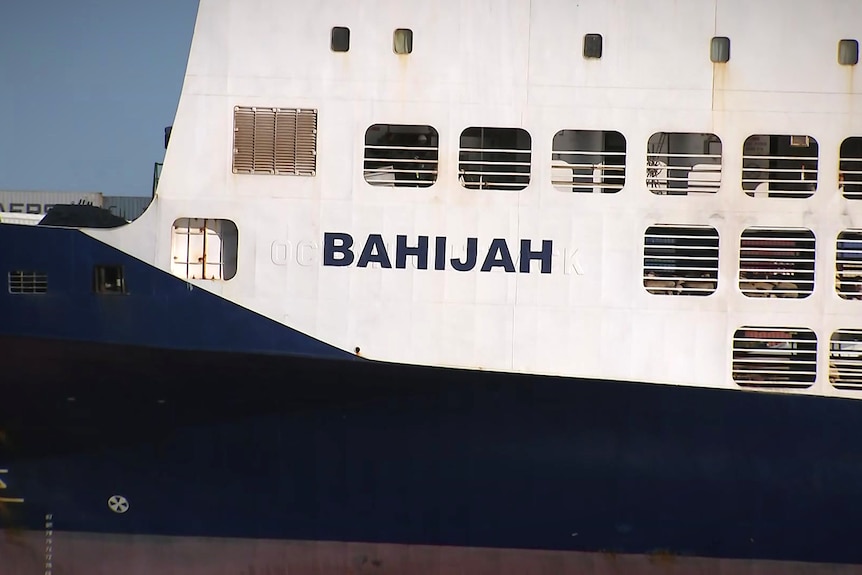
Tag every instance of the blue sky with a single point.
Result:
(86, 90)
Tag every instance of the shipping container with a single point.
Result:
(39, 202)
(129, 207)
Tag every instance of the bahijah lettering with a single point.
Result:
(341, 250)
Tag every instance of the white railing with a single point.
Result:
(795, 180)
(850, 176)
(401, 166)
(671, 173)
(20, 219)
(578, 171)
(494, 169)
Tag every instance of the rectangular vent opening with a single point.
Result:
(680, 260)
(280, 141)
(683, 163)
(28, 282)
(848, 264)
(776, 263)
(845, 359)
(777, 357)
(588, 161)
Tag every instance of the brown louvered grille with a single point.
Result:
(264, 141)
(285, 143)
(243, 140)
(275, 141)
(306, 142)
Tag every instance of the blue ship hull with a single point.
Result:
(312, 445)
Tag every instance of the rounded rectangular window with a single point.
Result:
(339, 39)
(204, 249)
(848, 265)
(776, 262)
(778, 357)
(845, 359)
(850, 168)
(719, 49)
(589, 161)
(779, 166)
(681, 163)
(848, 52)
(680, 260)
(400, 155)
(592, 46)
(494, 159)
(402, 41)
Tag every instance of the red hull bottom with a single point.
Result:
(27, 553)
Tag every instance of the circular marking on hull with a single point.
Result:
(118, 504)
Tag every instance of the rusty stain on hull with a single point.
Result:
(97, 554)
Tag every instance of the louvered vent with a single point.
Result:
(848, 264)
(783, 357)
(275, 141)
(845, 359)
(27, 282)
(776, 263)
(680, 260)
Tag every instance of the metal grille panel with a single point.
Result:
(279, 141)
(680, 260)
(28, 282)
(845, 359)
(781, 357)
(775, 262)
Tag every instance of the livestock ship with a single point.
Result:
(486, 287)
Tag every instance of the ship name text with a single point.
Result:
(341, 250)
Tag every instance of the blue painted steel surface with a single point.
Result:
(160, 310)
(237, 445)
(242, 427)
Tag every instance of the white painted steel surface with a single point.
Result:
(515, 64)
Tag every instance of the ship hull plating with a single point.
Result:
(259, 461)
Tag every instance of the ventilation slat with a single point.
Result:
(680, 260)
(845, 359)
(779, 357)
(776, 262)
(27, 282)
(275, 141)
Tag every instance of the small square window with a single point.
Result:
(339, 40)
(108, 279)
(402, 41)
(848, 52)
(593, 46)
(719, 49)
